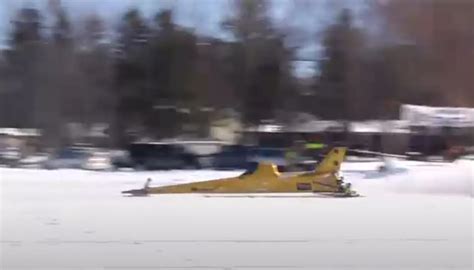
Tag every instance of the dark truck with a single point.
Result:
(165, 155)
(162, 156)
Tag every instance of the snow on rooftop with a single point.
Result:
(376, 126)
(17, 132)
(418, 115)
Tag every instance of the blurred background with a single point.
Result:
(218, 83)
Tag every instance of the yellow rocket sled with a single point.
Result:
(324, 179)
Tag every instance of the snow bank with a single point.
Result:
(71, 219)
(413, 177)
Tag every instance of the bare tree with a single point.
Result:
(443, 31)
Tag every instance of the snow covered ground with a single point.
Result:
(418, 217)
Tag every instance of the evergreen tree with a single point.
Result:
(95, 68)
(340, 92)
(260, 61)
(60, 101)
(24, 60)
(130, 75)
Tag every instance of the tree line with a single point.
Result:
(156, 78)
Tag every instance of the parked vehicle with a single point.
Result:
(71, 157)
(98, 161)
(33, 161)
(278, 156)
(203, 150)
(121, 159)
(234, 157)
(10, 156)
(270, 155)
(162, 155)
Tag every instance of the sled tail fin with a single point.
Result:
(332, 161)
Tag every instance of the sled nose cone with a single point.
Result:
(136, 192)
